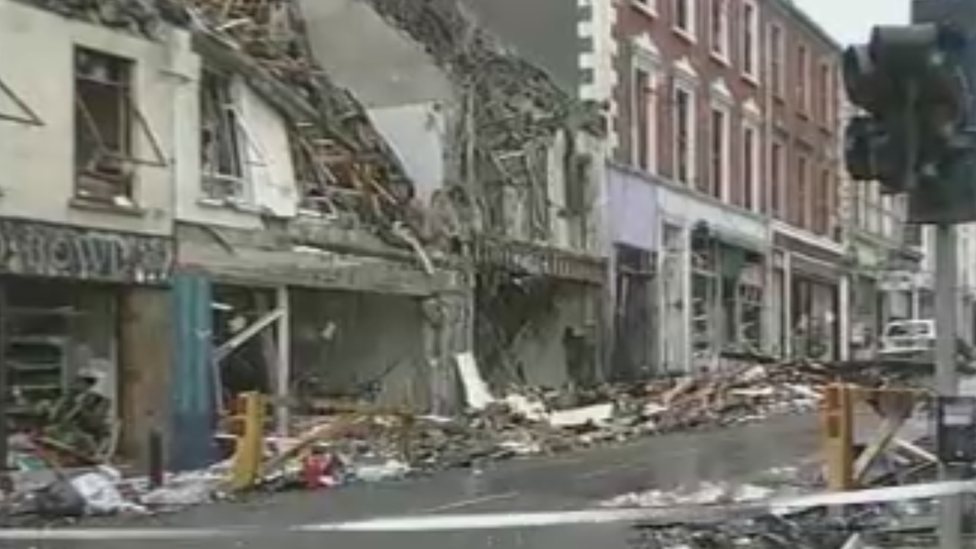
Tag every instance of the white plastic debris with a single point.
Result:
(597, 414)
(101, 495)
(390, 470)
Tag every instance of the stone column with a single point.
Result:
(145, 359)
(447, 332)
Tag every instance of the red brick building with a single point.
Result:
(732, 108)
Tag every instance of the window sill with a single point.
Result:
(95, 205)
(645, 7)
(720, 58)
(686, 34)
(751, 79)
(238, 205)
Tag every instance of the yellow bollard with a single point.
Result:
(838, 436)
(249, 447)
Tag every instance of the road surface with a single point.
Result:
(567, 482)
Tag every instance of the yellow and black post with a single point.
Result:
(248, 426)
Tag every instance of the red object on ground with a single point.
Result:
(316, 470)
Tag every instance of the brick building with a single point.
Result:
(730, 107)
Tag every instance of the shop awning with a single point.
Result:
(309, 268)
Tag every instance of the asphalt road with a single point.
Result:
(568, 482)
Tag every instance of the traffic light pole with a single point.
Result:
(947, 379)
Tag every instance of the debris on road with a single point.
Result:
(345, 442)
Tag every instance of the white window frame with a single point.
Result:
(648, 63)
(778, 56)
(779, 208)
(691, 30)
(721, 49)
(725, 166)
(752, 26)
(754, 127)
(802, 91)
(827, 83)
(682, 85)
(252, 154)
(647, 6)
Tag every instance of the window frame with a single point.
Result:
(690, 138)
(720, 31)
(105, 174)
(751, 41)
(802, 84)
(778, 160)
(777, 60)
(720, 167)
(688, 29)
(648, 98)
(753, 192)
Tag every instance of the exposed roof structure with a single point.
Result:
(336, 145)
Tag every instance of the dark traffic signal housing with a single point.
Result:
(910, 84)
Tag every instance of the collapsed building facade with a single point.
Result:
(501, 153)
(231, 213)
(302, 249)
(86, 223)
(226, 218)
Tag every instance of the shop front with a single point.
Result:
(727, 296)
(83, 311)
(713, 273)
(815, 308)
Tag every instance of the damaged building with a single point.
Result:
(86, 225)
(225, 219)
(508, 163)
(301, 247)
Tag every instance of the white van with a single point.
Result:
(908, 337)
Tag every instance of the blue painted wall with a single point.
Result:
(194, 405)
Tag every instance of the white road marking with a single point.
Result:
(460, 504)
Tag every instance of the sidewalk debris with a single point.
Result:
(347, 442)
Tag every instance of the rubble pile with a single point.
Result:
(534, 422)
(810, 530)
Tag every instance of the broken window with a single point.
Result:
(105, 124)
(220, 138)
(539, 191)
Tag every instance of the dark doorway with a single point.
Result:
(633, 351)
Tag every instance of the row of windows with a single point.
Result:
(111, 136)
(734, 26)
(724, 149)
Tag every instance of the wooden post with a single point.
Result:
(838, 436)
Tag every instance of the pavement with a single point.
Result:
(567, 482)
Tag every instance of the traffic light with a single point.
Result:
(911, 85)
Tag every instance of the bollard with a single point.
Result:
(250, 440)
(154, 451)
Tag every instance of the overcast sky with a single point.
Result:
(850, 20)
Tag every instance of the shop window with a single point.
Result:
(751, 306)
(61, 364)
(106, 124)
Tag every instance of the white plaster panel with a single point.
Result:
(687, 208)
